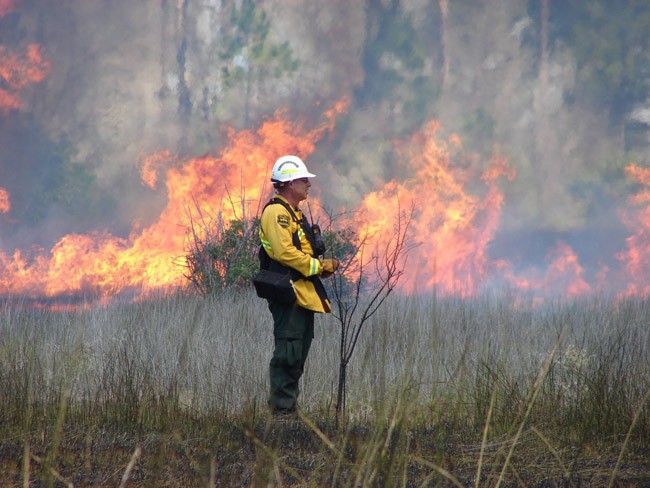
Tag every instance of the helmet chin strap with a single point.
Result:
(277, 184)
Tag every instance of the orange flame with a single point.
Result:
(5, 204)
(6, 6)
(19, 71)
(102, 265)
(564, 275)
(152, 165)
(636, 257)
(452, 226)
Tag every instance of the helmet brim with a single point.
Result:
(304, 175)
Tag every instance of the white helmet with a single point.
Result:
(289, 168)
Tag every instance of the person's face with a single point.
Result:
(300, 188)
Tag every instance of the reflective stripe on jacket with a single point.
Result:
(276, 233)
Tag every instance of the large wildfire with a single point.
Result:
(452, 226)
(456, 197)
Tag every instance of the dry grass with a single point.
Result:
(442, 392)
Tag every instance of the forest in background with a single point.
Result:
(559, 88)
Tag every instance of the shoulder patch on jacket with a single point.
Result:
(283, 220)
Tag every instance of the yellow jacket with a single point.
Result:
(276, 233)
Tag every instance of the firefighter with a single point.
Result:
(286, 239)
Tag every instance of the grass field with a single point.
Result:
(171, 391)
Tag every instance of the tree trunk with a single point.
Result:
(546, 167)
(184, 92)
(444, 12)
(247, 95)
(340, 396)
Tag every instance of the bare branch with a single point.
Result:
(358, 294)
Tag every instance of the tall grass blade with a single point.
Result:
(637, 414)
(533, 396)
(130, 466)
(486, 429)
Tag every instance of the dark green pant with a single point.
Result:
(293, 330)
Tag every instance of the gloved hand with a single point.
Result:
(328, 267)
